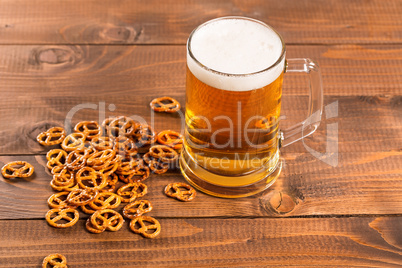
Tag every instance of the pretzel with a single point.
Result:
(81, 197)
(105, 200)
(52, 136)
(108, 219)
(64, 177)
(99, 158)
(129, 192)
(102, 143)
(59, 200)
(154, 164)
(111, 180)
(164, 153)
(90, 129)
(88, 178)
(165, 104)
(158, 167)
(125, 146)
(179, 194)
(17, 169)
(55, 260)
(108, 168)
(91, 228)
(62, 215)
(144, 135)
(56, 157)
(73, 141)
(170, 138)
(121, 126)
(136, 175)
(77, 159)
(67, 188)
(143, 228)
(137, 208)
(87, 209)
(129, 164)
(107, 121)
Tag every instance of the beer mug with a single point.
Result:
(235, 68)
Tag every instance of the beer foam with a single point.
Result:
(235, 46)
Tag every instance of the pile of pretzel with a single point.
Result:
(93, 159)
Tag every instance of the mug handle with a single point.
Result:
(311, 123)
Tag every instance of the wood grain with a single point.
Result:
(113, 71)
(361, 184)
(329, 242)
(42, 85)
(362, 125)
(83, 60)
(170, 22)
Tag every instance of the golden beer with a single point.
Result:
(232, 114)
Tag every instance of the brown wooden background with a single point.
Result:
(55, 55)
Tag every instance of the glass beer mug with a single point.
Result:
(235, 68)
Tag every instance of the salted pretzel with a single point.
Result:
(55, 260)
(88, 178)
(108, 168)
(125, 146)
(175, 190)
(131, 191)
(52, 136)
(87, 209)
(137, 208)
(77, 159)
(81, 197)
(17, 169)
(91, 228)
(121, 126)
(158, 167)
(59, 217)
(73, 141)
(107, 219)
(129, 164)
(111, 180)
(56, 157)
(165, 104)
(137, 225)
(63, 188)
(136, 175)
(144, 135)
(155, 165)
(164, 153)
(100, 228)
(90, 129)
(64, 177)
(105, 200)
(170, 138)
(99, 158)
(102, 143)
(59, 200)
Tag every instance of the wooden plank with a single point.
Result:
(329, 242)
(362, 184)
(356, 119)
(356, 70)
(42, 84)
(170, 22)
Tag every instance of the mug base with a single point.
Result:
(198, 177)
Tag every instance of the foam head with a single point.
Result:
(235, 51)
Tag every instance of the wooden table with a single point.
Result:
(119, 55)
